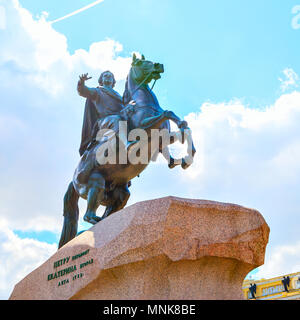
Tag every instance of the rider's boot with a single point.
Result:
(96, 191)
(92, 205)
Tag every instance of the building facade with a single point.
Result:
(285, 287)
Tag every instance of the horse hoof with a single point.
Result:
(184, 165)
(94, 220)
(91, 218)
(171, 166)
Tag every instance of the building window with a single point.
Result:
(297, 284)
(272, 290)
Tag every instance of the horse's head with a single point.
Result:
(143, 71)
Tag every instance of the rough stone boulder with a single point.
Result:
(168, 248)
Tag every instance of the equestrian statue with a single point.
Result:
(120, 136)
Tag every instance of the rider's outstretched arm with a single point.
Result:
(85, 91)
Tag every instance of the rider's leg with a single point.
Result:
(118, 126)
(96, 187)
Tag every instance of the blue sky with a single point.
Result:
(222, 49)
(231, 70)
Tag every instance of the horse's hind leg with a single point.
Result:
(96, 187)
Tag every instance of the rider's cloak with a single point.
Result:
(100, 102)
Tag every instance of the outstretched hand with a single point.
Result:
(84, 77)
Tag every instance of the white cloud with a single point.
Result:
(45, 54)
(291, 79)
(19, 257)
(296, 19)
(233, 136)
(280, 260)
(38, 96)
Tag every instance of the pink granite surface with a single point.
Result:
(168, 248)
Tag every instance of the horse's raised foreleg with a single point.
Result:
(182, 136)
(153, 122)
(165, 139)
(156, 121)
(96, 192)
(172, 162)
(188, 160)
(180, 123)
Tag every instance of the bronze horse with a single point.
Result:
(108, 184)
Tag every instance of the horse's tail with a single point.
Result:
(71, 214)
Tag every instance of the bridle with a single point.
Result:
(143, 82)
